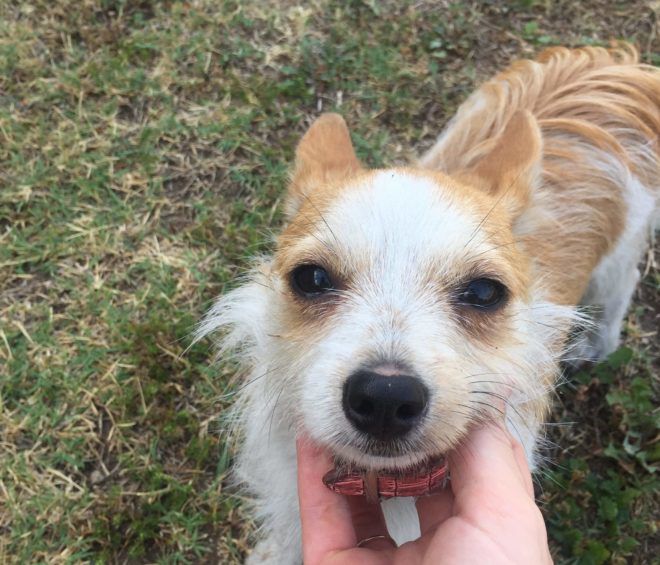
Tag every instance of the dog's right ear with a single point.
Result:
(324, 156)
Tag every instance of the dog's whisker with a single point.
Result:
(502, 383)
(321, 216)
(496, 248)
(272, 412)
(501, 412)
(506, 402)
(251, 381)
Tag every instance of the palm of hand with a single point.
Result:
(487, 515)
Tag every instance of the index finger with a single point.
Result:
(325, 517)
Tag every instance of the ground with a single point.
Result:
(144, 150)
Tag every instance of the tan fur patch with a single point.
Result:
(324, 157)
(587, 102)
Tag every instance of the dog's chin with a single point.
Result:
(383, 456)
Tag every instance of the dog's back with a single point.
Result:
(599, 114)
(590, 96)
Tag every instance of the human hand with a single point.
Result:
(487, 513)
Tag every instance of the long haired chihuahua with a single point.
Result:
(401, 306)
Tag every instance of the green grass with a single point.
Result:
(144, 150)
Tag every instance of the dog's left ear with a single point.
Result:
(511, 169)
(324, 156)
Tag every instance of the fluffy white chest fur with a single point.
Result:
(403, 305)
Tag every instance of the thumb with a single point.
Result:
(489, 454)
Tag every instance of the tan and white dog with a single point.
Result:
(403, 305)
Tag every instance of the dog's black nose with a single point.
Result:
(385, 407)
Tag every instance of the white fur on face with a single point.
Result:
(402, 238)
(393, 234)
(405, 241)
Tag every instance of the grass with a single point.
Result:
(144, 149)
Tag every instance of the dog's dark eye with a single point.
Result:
(483, 293)
(311, 280)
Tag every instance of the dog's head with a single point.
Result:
(400, 305)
